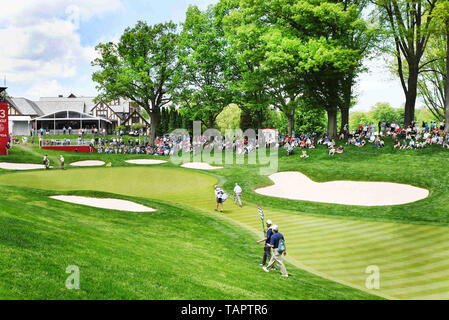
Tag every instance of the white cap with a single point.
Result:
(269, 222)
(275, 227)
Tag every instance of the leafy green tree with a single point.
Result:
(432, 81)
(277, 120)
(305, 49)
(408, 23)
(205, 63)
(362, 37)
(309, 119)
(137, 126)
(423, 114)
(172, 119)
(358, 118)
(229, 118)
(140, 67)
(442, 32)
(384, 112)
(249, 81)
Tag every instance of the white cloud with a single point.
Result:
(26, 12)
(45, 89)
(41, 45)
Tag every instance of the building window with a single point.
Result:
(102, 113)
(136, 119)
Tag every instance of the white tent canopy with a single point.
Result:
(19, 125)
(66, 118)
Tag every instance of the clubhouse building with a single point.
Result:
(53, 114)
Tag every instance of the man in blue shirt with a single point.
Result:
(276, 257)
(267, 248)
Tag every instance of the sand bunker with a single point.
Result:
(87, 163)
(296, 186)
(105, 203)
(20, 166)
(146, 161)
(200, 166)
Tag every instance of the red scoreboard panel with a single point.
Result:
(4, 133)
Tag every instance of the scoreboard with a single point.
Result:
(4, 133)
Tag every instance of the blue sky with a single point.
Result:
(48, 45)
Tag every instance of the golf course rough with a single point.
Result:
(177, 253)
(413, 259)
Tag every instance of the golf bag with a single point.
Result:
(224, 197)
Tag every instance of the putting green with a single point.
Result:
(413, 259)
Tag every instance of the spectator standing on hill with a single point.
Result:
(275, 240)
(238, 194)
(267, 247)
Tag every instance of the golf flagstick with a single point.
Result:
(262, 218)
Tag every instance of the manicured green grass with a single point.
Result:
(174, 253)
(409, 243)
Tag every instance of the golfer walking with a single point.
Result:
(61, 159)
(267, 247)
(46, 162)
(238, 194)
(276, 238)
(219, 198)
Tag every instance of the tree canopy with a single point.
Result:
(141, 67)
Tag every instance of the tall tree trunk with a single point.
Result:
(291, 122)
(154, 122)
(344, 118)
(332, 122)
(211, 122)
(259, 119)
(348, 83)
(446, 95)
(410, 96)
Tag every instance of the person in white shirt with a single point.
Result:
(61, 160)
(238, 194)
(219, 197)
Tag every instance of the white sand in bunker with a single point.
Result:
(146, 161)
(297, 186)
(20, 166)
(200, 166)
(105, 203)
(88, 163)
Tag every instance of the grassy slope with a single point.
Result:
(174, 253)
(412, 258)
(339, 249)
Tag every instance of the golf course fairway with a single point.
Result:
(412, 259)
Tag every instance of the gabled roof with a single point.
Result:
(49, 107)
(123, 106)
(26, 107)
(88, 101)
(138, 113)
(108, 106)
